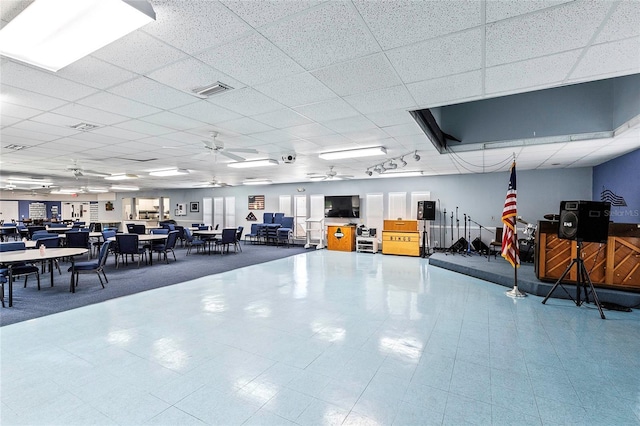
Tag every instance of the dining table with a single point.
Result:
(11, 258)
(209, 235)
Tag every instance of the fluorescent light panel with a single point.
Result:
(124, 188)
(54, 34)
(172, 172)
(353, 153)
(400, 174)
(257, 182)
(29, 182)
(254, 163)
(121, 177)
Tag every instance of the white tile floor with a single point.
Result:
(324, 338)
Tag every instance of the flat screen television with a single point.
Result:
(344, 206)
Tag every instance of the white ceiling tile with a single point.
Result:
(548, 70)
(252, 60)
(203, 111)
(369, 135)
(300, 146)
(360, 75)
(447, 90)
(17, 111)
(390, 118)
(77, 113)
(381, 100)
(497, 10)
(245, 126)
(330, 142)
(609, 59)
(139, 52)
(116, 132)
(272, 136)
(400, 22)
(190, 74)
(543, 33)
(331, 109)
(49, 129)
(403, 130)
(457, 53)
(74, 144)
(118, 105)
(296, 90)
(261, 13)
(95, 73)
(25, 98)
(153, 93)
(36, 137)
(45, 82)
(246, 101)
(308, 131)
(174, 121)
(194, 25)
(623, 23)
(282, 118)
(144, 127)
(5, 120)
(97, 138)
(350, 124)
(325, 35)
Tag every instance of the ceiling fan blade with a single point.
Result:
(209, 144)
(248, 150)
(232, 156)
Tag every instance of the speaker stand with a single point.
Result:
(425, 246)
(582, 281)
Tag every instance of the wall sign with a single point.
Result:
(194, 207)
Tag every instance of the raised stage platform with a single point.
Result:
(499, 271)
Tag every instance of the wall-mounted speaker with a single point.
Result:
(584, 221)
(426, 210)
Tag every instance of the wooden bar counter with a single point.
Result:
(614, 264)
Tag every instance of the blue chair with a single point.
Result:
(8, 231)
(42, 234)
(277, 218)
(267, 217)
(49, 242)
(285, 232)
(34, 228)
(91, 266)
(128, 245)
(168, 246)
(228, 238)
(21, 268)
(239, 238)
(79, 239)
(191, 241)
(139, 229)
(253, 235)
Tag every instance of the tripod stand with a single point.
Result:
(582, 280)
(425, 245)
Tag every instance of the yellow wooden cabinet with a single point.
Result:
(341, 237)
(401, 237)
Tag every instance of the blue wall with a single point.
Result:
(620, 176)
(23, 207)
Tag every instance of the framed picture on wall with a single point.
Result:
(181, 210)
(194, 206)
(256, 202)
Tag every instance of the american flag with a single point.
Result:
(509, 212)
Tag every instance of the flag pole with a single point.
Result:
(514, 292)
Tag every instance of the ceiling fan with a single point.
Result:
(217, 147)
(214, 183)
(79, 171)
(331, 174)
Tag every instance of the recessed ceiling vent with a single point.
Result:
(211, 89)
(15, 147)
(84, 127)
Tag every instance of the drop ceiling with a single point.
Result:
(307, 77)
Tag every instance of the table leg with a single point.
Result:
(51, 270)
(10, 286)
(72, 283)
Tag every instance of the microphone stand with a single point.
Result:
(457, 222)
(469, 241)
(444, 240)
(480, 237)
(451, 247)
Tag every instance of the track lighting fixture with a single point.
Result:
(391, 164)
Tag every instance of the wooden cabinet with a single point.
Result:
(341, 237)
(401, 237)
(615, 264)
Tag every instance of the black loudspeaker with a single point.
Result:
(584, 220)
(479, 246)
(426, 210)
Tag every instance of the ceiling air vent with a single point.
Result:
(211, 89)
(84, 127)
(15, 147)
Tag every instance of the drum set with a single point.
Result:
(527, 244)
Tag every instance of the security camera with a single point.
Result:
(289, 158)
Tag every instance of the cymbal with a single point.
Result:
(522, 221)
(552, 217)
